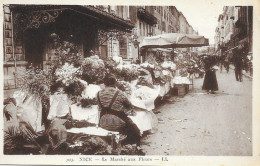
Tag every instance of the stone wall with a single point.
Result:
(13, 69)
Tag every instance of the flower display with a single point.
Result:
(74, 89)
(67, 74)
(93, 69)
(144, 82)
(65, 51)
(110, 64)
(169, 65)
(151, 59)
(127, 74)
(144, 93)
(37, 82)
(125, 87)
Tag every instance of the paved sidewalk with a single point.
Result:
(206, 124)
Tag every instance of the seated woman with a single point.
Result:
(114, 107)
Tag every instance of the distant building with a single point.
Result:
(235, 25)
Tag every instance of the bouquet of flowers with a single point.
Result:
(144, 82)
(68, 74)
(125, 87)
(127, 74)
(74, 90)
(143, 72)
(151, 59)
(183, 72)
(93, 69)
(65, 51)
(37, 82)
(110, 64)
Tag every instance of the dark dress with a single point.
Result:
(210, 79)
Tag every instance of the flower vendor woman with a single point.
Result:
(210, 80)
(115, 108)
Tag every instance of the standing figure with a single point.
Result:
(226, 63)
(238, 62)
(221, 62)
(210, 80)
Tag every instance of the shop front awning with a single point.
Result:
(37, 14)
(174, 40)
(168, 50)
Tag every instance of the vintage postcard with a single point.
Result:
(170, 82)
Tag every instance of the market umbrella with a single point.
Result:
(174, 40)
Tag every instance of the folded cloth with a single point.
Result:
(92, 131)
(59, 106)
(19, 97)
(31, 111)
(143, 97)
(144, 120)
(89, 114)
(181, 80)
(91, 91)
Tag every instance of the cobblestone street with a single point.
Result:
(206, 124)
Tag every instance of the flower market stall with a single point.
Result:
(68, 91)
(62, 98)
(174, 40)
(182, 76)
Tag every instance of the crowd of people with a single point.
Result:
(237, 56)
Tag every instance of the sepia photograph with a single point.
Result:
(128, 80)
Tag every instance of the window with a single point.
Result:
(147, 29)
(123, 47)
(140, 28)
(163, 26)
(143, 29)
(120, 11)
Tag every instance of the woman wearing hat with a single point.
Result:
(210, 83)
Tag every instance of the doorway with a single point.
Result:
(34, 43)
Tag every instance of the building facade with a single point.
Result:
(107, 30)
(148, 21)
(235, 25)
(28, 30)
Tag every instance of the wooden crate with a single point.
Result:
(181, 89)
